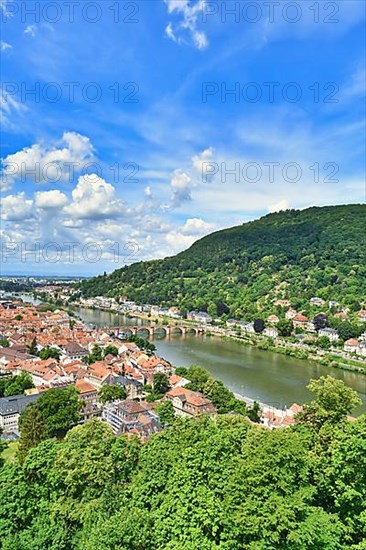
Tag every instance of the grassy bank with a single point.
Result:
(10, 452)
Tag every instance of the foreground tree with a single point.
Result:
(166, 413)
(245, 487)
(334, 401)
(52, 415)
(60, 410)
(198, 377)
(32, 427)
(18, 384)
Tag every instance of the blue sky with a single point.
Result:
(132, 146)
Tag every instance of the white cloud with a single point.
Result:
(170, 32)
(178, 242)
(180, 184)
(183, 237)
(5, 46)
(10, 109)
(185, 31)
(356, 87)
(204, 164)
(49, 200)
(180, 180)
(44, 164)
(16, 208)
(94, 198)
(281, 205)
(200, 39)
(31, 30)
(196, 226)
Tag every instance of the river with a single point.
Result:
(263, 375)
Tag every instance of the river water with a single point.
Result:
(263, 375)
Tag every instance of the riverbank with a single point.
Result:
(303, 352)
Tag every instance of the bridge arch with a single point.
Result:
(143, 330)
(177, 330)
(161, 330)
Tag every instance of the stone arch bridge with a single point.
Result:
(151, 331)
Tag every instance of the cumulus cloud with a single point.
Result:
(180, 184)
(184, 236)
(196, 226)
(44, 164)
(94, 198)
(16, 208)
(48, 200)
(185, 31)
(204, 164)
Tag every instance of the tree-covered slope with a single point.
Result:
(292, 254)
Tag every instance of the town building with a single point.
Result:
(199, 317)
(271, 332)
(272, 417)
(133, 388)
(317, 301)
(282, 303)
(73, 351)
(176, 381)
(247, 327)
(351, 345)
(361, 315)
(300, 321)
(310, 327)
(290, 313)
(10, 409)
(190, 403)
(131, 417)
(88, 395)
(329, 333)
(341, 315)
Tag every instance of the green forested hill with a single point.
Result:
(292, 254)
